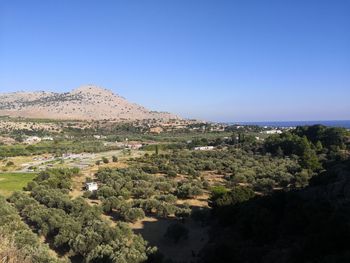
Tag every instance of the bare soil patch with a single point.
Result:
(199, 201)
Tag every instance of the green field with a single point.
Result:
(10, 182)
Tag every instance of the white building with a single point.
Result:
(99, 137)
(273, 132)
(32, 139)
(204, 148)
(134, 145)
(91, 186)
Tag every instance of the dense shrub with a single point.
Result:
(73, 225)
(17, 242)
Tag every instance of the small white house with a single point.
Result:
(204, 148)
(91, 186)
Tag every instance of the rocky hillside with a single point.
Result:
(84, 103)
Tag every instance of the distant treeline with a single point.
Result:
(57, 147)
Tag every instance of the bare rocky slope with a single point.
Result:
(84, 103)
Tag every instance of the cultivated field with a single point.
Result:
(10, 182)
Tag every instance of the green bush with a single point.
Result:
(133, 214)
(171, 173)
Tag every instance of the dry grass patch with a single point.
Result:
(198, 201)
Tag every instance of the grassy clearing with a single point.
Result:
(10, 182)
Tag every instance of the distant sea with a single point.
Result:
(343, 123)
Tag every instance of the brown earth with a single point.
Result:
(84, 103)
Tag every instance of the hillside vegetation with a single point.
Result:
(283, 199)
(84, 103)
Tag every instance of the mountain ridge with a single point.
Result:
(87, 102)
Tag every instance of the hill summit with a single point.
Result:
(84, 103)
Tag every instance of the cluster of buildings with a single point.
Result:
(204, 148)
(36, 139)
(273, 131)
(132, 145)
(159, 126)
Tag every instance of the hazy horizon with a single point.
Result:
(225, 61)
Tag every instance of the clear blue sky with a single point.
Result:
(234, 60)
